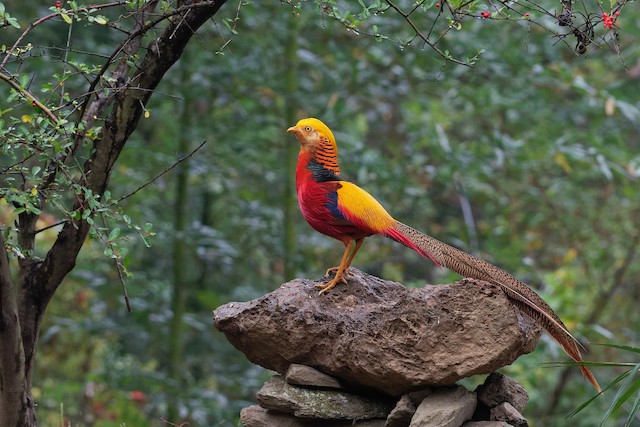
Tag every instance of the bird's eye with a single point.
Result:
(308, 128)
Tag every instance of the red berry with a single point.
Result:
(33, 103)
(437, 4)
(58, 4)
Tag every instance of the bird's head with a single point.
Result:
(314, 135)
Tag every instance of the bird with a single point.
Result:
(342, 210)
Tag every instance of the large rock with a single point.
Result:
(445, 408)
(280, 396)
(479, 424)
(499, 388)
(257, 416)
(379, 334)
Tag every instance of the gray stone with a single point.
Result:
(308, 376)
(257, 416)
(379, 334)
(506, 412)
(486, 424)
(498, 388)
(402, 413)
(449, 407)
(418, 396)
(279, 396)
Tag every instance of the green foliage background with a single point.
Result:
(541, 144)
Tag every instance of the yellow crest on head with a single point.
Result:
(321, 128)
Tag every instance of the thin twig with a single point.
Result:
(48, 17)
(423, 37)
(155, 178)
(40, 230)
(29, 96)
(119, 268)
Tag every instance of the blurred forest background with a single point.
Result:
(530, 159)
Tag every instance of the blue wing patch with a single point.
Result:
(332, 206)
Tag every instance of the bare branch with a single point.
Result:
(152, 180)
(46, 18)
(424, 38)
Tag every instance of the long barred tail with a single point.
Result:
(469, 266)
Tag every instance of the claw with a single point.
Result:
(335, 270)
(326, 287)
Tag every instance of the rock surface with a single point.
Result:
(379, 334)
(307, 376)
(279, 396)
(257, 416)
(313, 405)
(445, 408)
(499, 388)
(401, 414)
(506, 412)
(486, 424)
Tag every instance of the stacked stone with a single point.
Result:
(305, 397)
(380, 342)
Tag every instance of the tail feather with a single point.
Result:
(469, 266)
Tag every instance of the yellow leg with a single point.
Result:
(343, 269)
(339, 273)
(359, 243)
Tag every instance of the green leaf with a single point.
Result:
(625, 387)
(31, 208)
(618, 346)
(634, 410)
(24, 80)
(12, 21)
(100, 20)
(114, 234)
(66, 18)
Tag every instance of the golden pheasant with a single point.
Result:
(344, 211)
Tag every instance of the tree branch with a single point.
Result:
(152, 180)
(48, 17)
(424, 38)
(29, 96)
(128, 103)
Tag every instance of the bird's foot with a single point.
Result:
(335, 270)
(326, 287)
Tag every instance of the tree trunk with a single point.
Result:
(24, 299)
